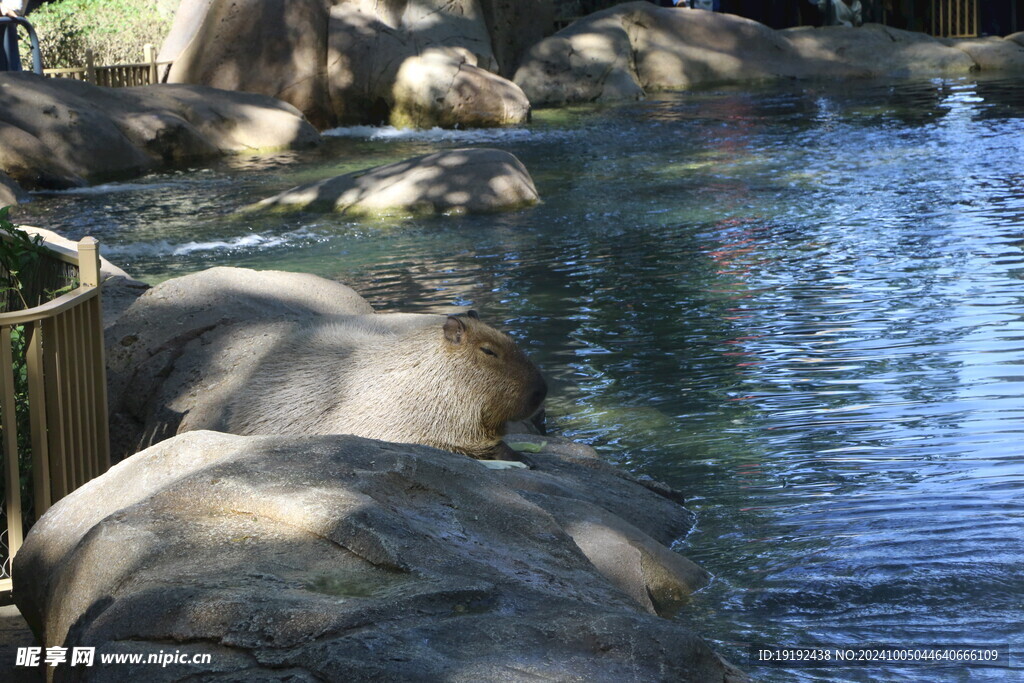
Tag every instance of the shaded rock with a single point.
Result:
(10, 191)
(993, 54)
(514, 26)
(472, 180)
(275, 48)
(590, 61)
(188, 19)
(1017, 37)
(880, 50)
(59, 133)
(196, 338)
(445, 88)
(338, 62)
(307, 557)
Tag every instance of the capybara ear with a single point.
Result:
(473, 314)
(454, 329)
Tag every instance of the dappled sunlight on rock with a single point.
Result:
(472, 180)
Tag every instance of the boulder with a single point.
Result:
(634, 48)
(338, 62)
(472, 180)
(274, 47)
(317, 557)
(514, 27)
(880, 50)
(627, 50)
(10, 192)
(60, 133)
(185, 345)
(444, 87)
(992, 53)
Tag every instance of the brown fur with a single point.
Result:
(451, 383)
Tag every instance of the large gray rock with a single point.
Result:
(10, 191)
(193, 341)
(993, 53)
(340, 62)
(880, 50)
(445, 87)
(472, 180)
(634, 48)
(273, 47)
(341, 558)
(59, 133)
(625, 51)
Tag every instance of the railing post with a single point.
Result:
(12, 476)
(89, 261)
(90, 67)
(149, 51)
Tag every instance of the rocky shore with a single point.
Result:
(339, 557)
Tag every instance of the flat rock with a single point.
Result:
(58, 133)
(460, 180)
(313, 557)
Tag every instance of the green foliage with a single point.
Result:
(20, 254)
(115, 30)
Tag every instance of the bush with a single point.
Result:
(115, 30)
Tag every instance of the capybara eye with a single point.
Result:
(488, 351)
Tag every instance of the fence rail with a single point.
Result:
(954, 18)
(67, 396)
(145, 72)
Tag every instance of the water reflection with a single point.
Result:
(800, 305)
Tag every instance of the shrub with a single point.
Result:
(115, 30)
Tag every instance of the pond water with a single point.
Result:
(801, 305)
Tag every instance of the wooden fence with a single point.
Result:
(67, 396)
(145, 72)
(954, 18)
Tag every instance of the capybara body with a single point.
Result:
(449, 382)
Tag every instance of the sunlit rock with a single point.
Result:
(338, 62)
(315, 556)
(60, 133)
(878, 50)
(445, 88)
(460, 180)
(638, 47)
(272, 48)
(993, 53)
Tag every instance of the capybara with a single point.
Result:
(449, 382)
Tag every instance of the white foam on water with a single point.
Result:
(166, 248)
(432, 134)
(109, 188)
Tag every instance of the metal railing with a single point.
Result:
(954, 18)
(146, 72)
(67, 396)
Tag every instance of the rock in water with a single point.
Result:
(459, 180)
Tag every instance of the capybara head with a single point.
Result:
(498, 373)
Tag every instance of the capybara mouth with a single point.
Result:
(533, 401)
